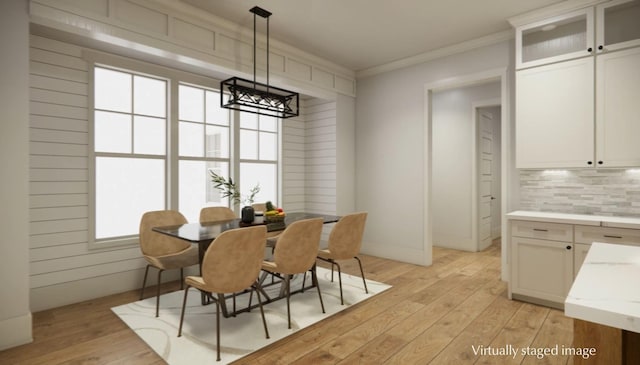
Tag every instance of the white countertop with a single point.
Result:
(607, 288)
(582, 219)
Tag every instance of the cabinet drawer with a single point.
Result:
(624, 236)
(542, 230)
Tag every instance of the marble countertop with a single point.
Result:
(582, 219)
(607, 288)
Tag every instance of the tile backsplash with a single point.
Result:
(613, 192)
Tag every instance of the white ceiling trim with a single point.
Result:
(222, 25)
(438, 53)
(551, 10)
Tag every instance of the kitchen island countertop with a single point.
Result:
(607, 288)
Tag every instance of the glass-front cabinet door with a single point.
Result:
(618, 25)
(559, 38)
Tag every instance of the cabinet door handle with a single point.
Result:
(589, 49)
(600, 162)
(600, 47)
(568, 247)
(589, 162)
(540, 230)
(611, 236)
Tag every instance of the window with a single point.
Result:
(130, 129)
(259, 155)
(206, 131)
(141, 166)
(203, 147)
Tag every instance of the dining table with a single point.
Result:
(203, 233)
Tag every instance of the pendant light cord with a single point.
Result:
(267, 54)
(254, 50)
(255, 61)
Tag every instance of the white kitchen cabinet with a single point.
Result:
(541, 260)
(546, 250)
(618, 108)
(586, 235)
(555, 114)
(621, 236)
(541, 269)
(555, 39)
(578, 106)
(618, 25)
(579, 33)
(580, 251)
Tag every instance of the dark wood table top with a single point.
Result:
(200, 232)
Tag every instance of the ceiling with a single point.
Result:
(361, 34)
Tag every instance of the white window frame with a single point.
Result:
(173, 77)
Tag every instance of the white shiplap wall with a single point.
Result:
(320, 156)
(60, 259)
(309, 158)
(63, 269)
(293, 163)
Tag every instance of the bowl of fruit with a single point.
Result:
(273, 214)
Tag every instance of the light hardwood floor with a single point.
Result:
(432, 315)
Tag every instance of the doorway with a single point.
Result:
(486, 118)
(495, 75)
(462, 158)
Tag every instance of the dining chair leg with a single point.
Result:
(218, 329)
(264, 321)
(340, 282)
(314, 277)
(362, 273)
(158, 293)
(144, 281)
(332, 263)
(184, 305)
(304, 281)
(234, 305)
(181, 278)
(286, 283)
(263, 277)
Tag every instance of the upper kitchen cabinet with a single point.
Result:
(618, 25)
(618, 108)
(560, 38)
(554, 115)
(577, 109)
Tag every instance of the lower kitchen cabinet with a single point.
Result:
(580, 251)
(545, 255)
(541, 269)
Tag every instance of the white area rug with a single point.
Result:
(240, 335)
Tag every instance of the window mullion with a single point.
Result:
(235, 148)
(133, 118)
(173, 138)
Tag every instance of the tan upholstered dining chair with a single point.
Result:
(344, 243)
(295, 253)
(215, 214)
(161, 251)
(231, 263)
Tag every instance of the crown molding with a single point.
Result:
(551, 10)
(218, 23)
(438, 53)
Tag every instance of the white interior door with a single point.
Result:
(485, 177)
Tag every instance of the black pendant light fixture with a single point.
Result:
(255, 97)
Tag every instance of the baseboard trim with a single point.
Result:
(58, 295)
(15, 331)
(408, 255)
(538, 301)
